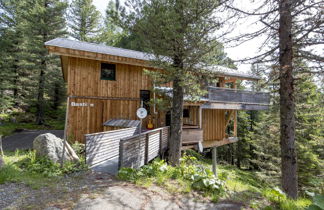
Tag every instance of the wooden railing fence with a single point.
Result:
(105, 145)
(136, 151)
(237, 96)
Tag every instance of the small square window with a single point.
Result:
(108, 71)
(186, 113)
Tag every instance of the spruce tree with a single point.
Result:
(44, 21)
(84, 20)
(15, 83)
(183, 32)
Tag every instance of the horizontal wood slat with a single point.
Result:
(137, 150)
(105, 145)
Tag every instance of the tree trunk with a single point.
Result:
(40, 96)
(287, 104)
(176, 123)
(56, 97)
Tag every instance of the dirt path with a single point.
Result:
(95, 191)
(132, 197)
(24, 140)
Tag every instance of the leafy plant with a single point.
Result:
(318, 203)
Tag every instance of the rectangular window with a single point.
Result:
(186, 113)
(108, 71)
(145, 96)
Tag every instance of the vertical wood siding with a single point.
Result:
(84, 80)
(193, 115)
(213, 124)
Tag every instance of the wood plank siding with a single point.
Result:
(104, 100)
(213, 124)
(84, 80)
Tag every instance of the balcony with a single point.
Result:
(224, 98)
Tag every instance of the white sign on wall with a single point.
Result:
(81, 104)
(141, 113)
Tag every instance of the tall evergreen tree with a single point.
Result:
(183, 32)
(44, 21)
(14, 85)
(84, 20)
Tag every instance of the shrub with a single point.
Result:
(189, 172)
(8, 173)
(47, 168)
(79, 148)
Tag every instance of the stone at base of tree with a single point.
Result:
(50, 146)
(1, 162)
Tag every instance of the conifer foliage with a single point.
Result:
(84, 20)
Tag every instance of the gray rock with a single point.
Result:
(48, 145)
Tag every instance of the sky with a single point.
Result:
(248, 49)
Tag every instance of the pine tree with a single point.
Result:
(111, 34)
(44, 21)
(14, 83)
(84, 20)
(183, 32)
(309, 134)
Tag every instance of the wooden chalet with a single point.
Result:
(105, 87)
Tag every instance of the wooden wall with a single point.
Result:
(89, 119)
(193, 118)
(84, 80)
(119, 99)
(110, 99)
(213, 124)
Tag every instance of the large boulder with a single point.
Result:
(48, 145)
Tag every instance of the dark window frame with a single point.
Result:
(146, 101)
(109, 67)
(186, 113)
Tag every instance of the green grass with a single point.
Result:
(24, 167)
(251, 188)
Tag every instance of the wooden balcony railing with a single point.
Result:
(226, 95)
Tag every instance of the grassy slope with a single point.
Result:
(252, 189)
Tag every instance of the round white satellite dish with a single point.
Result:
(141, 113)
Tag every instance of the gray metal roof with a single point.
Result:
(97, 48)
(124, 123)
(104, 49)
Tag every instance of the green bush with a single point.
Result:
(79, 148)
(188, 173)
(318, 203)
(8, 173)
(47, 168)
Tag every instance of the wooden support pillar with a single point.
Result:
(221, 81)
(1, 150)
(235, 123)
(214, 157)
(200, 117)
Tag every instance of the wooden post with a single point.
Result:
(200, 117)
(235, 113)
(235, 123)
(146, 148)
(65, 130)
(214, 156)
(1, 150)
(160, 146)
(121, 152)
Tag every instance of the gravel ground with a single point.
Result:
(24, 139)
(96, 191)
